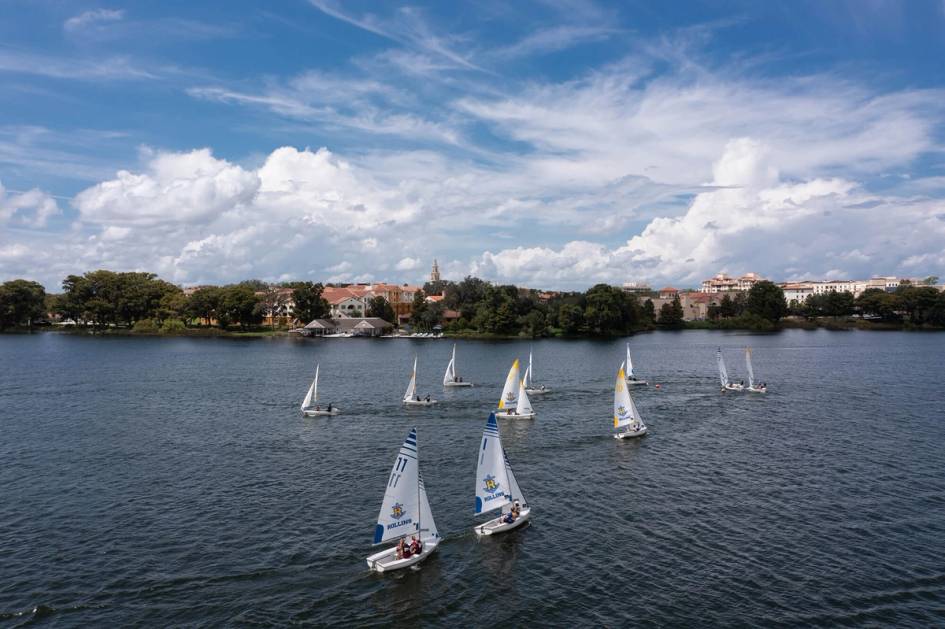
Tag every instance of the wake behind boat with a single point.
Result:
(451, 378)
(496, 487)
(760, 388)
(310, 406)
(632, 380)
(626, 414)
(405, 512)
(410, 397)
(531, 387)
(723, 375)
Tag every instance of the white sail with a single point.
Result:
(450, 376)
(637, 418)
(751, 372)
(515, 492)
(509, 398)
(428, 526)
(528, 372)
(401, 510)
(492, 482)
(412, 385)
(624, 413)
(723, 374)
(629, 363)
(524, 404)
(312, 394)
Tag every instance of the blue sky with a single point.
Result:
(551, 144)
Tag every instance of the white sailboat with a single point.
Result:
(626, 414)
(405, 512)
(762, 388)
(509, 398)
(723, 375)
(310, 406)
(496, 487)
(451, 378)
(631, 379)
(531, 387)
(410, 397)
(523, 408)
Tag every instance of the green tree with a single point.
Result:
(727, 307)
(309, 303)
(766, 300)
(671, 314)
(239, 304)
(649, 311)
(418, 309)
(571, 319)
(204, 303)
(21, 303)
(380, 307)
(931, 280)
(878, 303)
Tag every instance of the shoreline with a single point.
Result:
(832, 324)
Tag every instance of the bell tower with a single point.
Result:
(435, 272)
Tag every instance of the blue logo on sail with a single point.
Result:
(622, 411)
(397, 511)
(491, 485)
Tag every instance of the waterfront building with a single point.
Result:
(723, 283)
(636, 287)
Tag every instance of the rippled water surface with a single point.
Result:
(172, 481)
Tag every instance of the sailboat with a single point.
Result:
(451, 378)
(723, 375)
(532, 388)
(310, 406)
(405, 512)
(631, 379)
(762, 388)
(496, 487)
(508, 401)
(626, 414)
(523, 408)
(410, 397)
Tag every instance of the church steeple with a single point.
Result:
(435, 273)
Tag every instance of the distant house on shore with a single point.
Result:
(355, 326)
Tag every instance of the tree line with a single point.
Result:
(909, 303)
(103, 299)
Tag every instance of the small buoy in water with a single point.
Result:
(658, 386)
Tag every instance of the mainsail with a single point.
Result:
(528, 372)
(751, 372)
(629, 363)
(624, 411)
(312, 395)
(412, 385)
(509, 399)
(401, 512)
(450, 375)
(524, 404)
(492, 481)
(723, 374)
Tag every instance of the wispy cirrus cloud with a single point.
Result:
(94, 17)
(118, 68)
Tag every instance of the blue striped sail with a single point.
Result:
(400, 512)
(492, 482)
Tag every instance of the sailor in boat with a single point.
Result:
(418, 398)
(403, 550)
(416, 546)
(428, 397)
(317, 407)
(329, 407)
(513, 514)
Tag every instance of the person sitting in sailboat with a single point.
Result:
(513, 513)
(402, 550)
(329, 407)
(428, 397)
(416, 547)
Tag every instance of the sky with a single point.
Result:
(552, 144)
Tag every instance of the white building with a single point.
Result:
(722, 283)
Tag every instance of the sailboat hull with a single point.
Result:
(386, 560)
(419, 402)
(508, 415)
(757, 390)
(733, 387)
(635, 382)
(537, 391)
(311, 412)
(499, 525)
(631, 434)
(457, 384)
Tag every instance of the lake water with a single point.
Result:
(172, 482)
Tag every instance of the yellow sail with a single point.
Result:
(509, 397)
